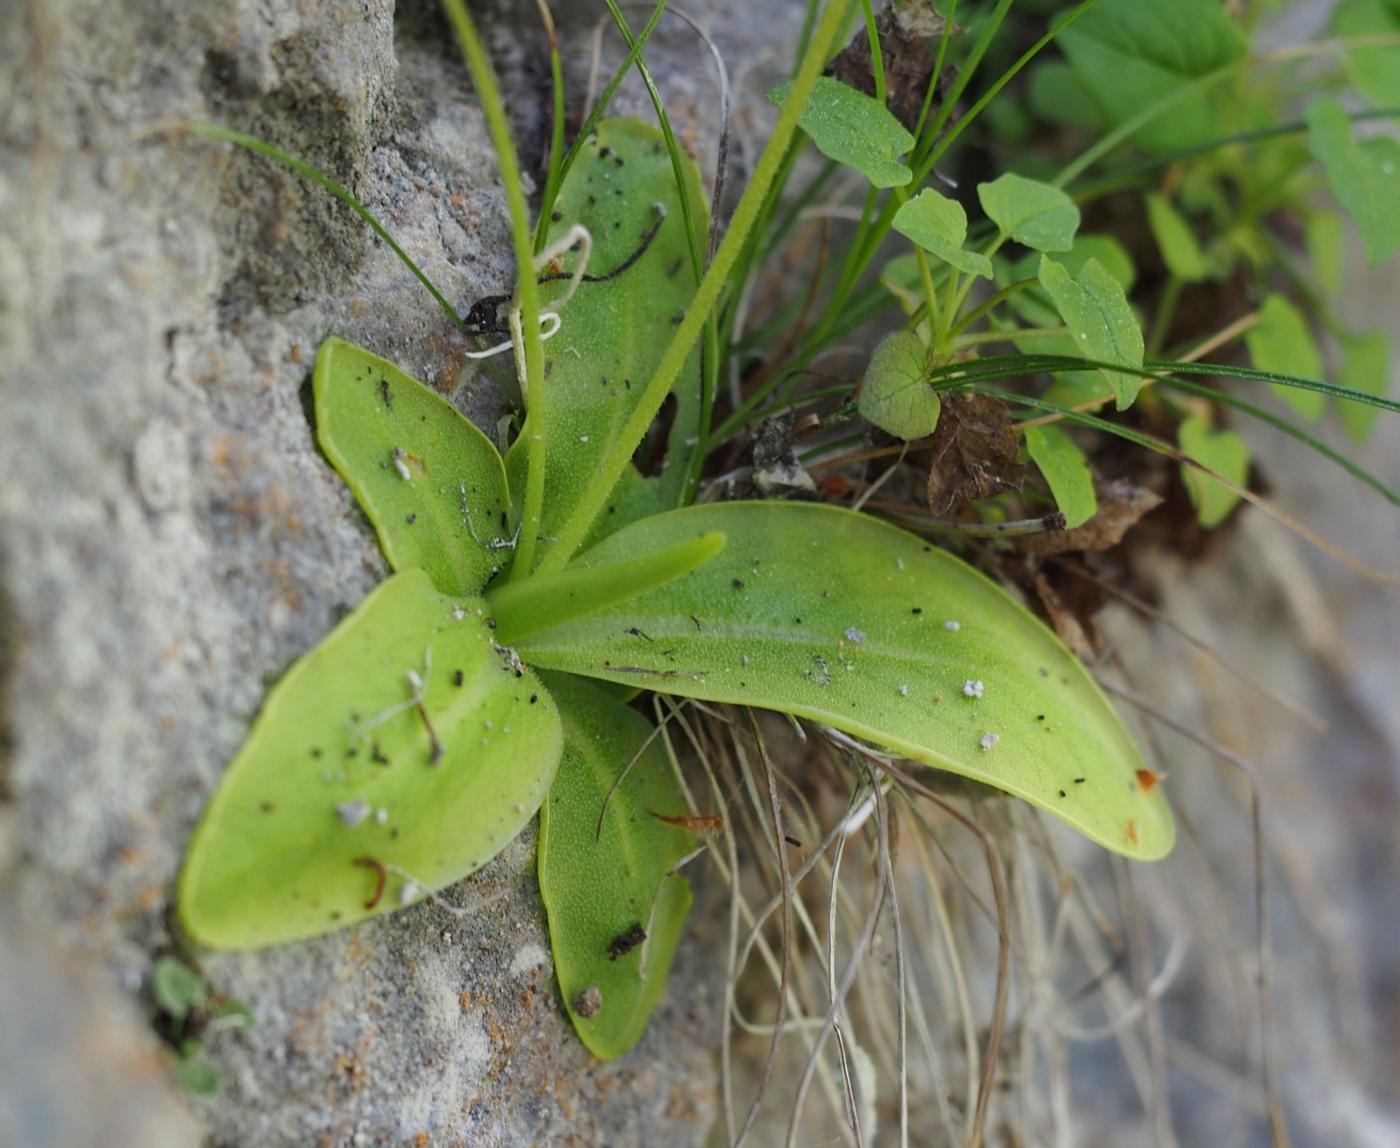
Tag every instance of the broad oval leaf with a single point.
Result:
(341, 795)
(1131, 55)
(1038, 215)
(939, 225)
(1095, 309)
(837, 617)
(1365, 177)
(430, 482)
(1282, 342)
(603, 892)
(614, 330)
(1223, 452)
(854, 129)
(1066, 470)
(896, 395)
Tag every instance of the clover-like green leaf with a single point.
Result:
(896, 395)
(614, 330)
(1066, 470)
(177, 988)
(1038, 215)
(837, 617)
(1223, 452)
(1365, 368)
(1365, 177)
(1130, 55)
(402, 753)
(432, 484)
(1375, 68)
(1283, 343)
(1095, 307)
(615, 910)
(939, 225)
(854, 129)
(1176, 241)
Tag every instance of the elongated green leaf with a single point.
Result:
(604, 891)
(896, 396)
(1176, 241)
(1326, 244)
(344, 785)
(1365, 368)
(1223, 452)
(854, 129)
(843, 619)
(1095, 308)
(1066, 470)
(544, 600)
(1033, 213)
(1365, 177)
(613, 333)
(1281, 341)
(1374, 69)
(939, 225)
(1130, 54)
(430, 482)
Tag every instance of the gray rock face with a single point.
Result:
(171, 540)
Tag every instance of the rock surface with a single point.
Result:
(170, 540)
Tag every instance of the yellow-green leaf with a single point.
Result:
(430, 482)
(840, 618)
(348, 799)
(1176, 241)
(1365, 367)
(604, 891)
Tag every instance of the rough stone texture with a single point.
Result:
(170, 540)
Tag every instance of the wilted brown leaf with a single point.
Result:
(1122, 503)
(974, 454)
(908, 31)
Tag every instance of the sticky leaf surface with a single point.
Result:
(896, 395)
(837, 617)
(431, 483)
(1033, 213)
(939, 225)
(600, 891)
(854, 129)
(338, 775)
(1095, 309)
(613, 333)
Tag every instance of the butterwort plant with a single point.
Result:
(534, 594)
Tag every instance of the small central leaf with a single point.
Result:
(1036, 214)
(854, 129)
(1095, 307)
(939, 225)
